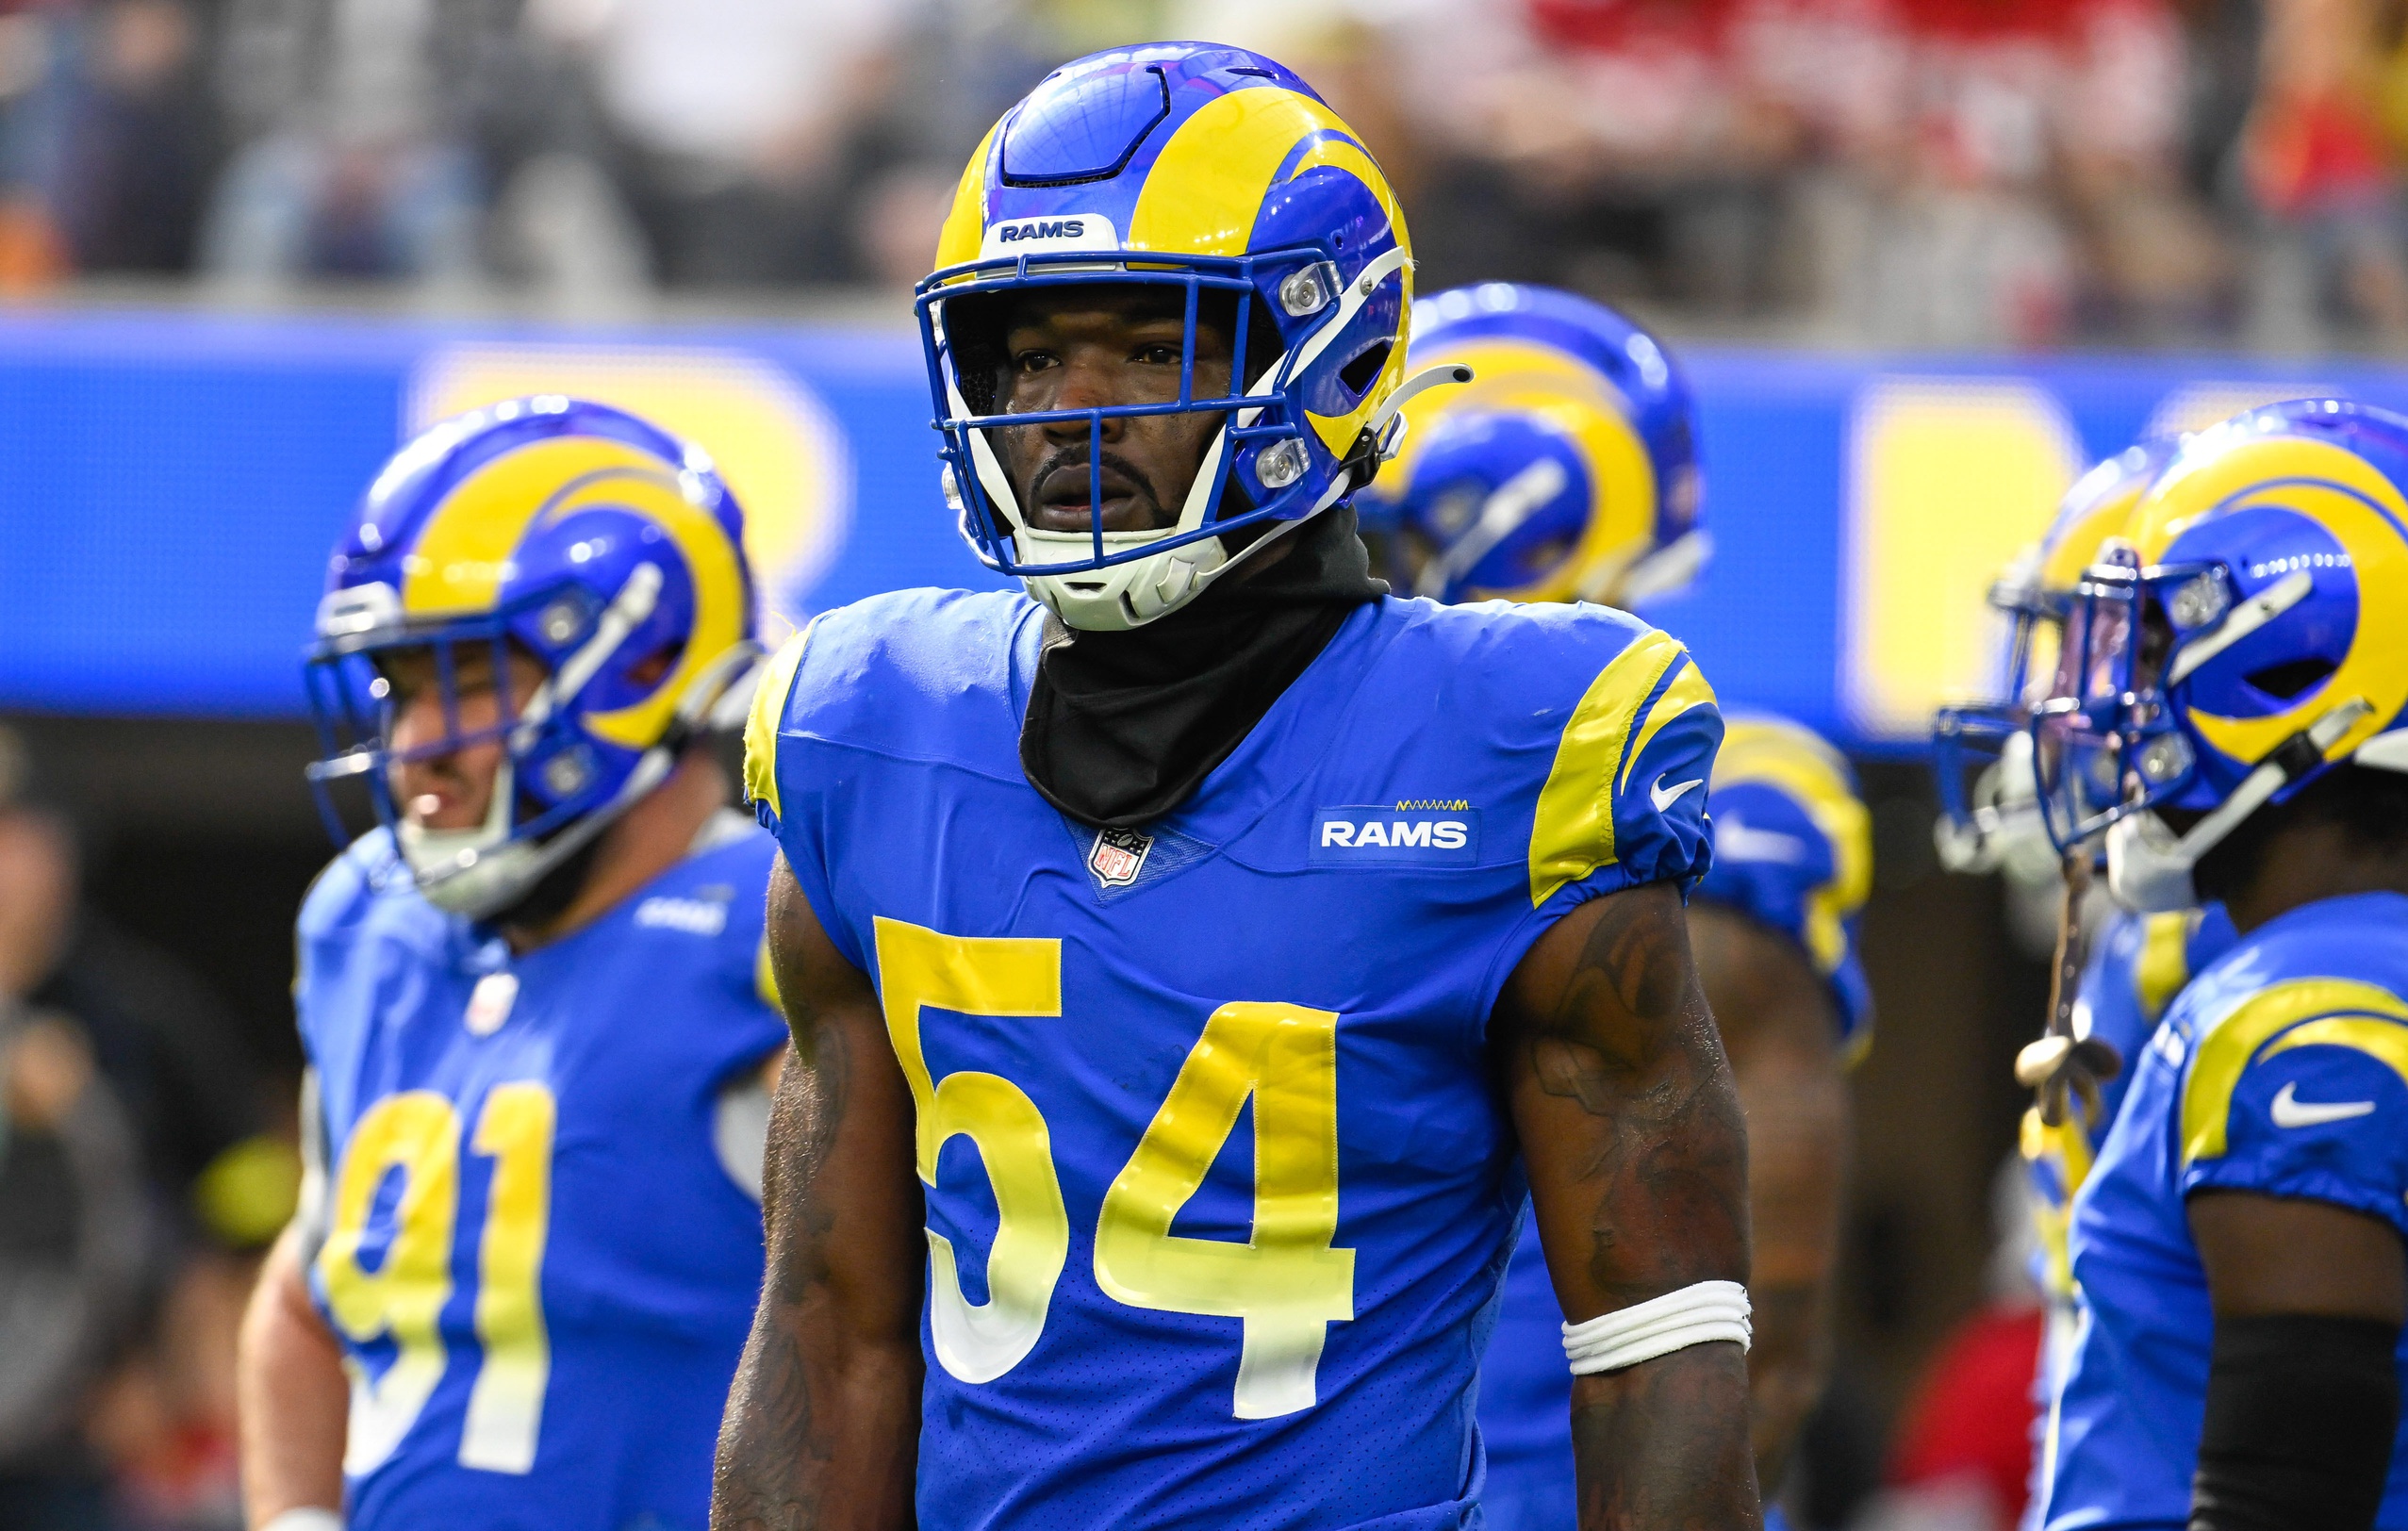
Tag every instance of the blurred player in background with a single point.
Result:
(2228, 711)
(1567, 470)
(1204, 827)
(2134, 963)
(534, 1000)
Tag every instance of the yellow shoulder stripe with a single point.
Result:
(2068, 1144)
(1572, 833)
(765, 976)
(1689, 689)
(2165, 960)
(2341, 1013)
(2385, 1041)
(761, 724)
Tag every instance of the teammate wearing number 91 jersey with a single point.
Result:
(532, 1002)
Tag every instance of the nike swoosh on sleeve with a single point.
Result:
(2290, 1111)
(1663, 800)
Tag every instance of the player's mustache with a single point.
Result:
(1076, 456)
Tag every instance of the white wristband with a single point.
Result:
(307, 1518)
(1694, 1315)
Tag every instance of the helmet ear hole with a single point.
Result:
(649, 671)
(1359, 374)
(2291, 679)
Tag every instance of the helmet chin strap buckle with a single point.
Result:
(2149, 870)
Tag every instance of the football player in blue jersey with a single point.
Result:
(534, 1000)
(1184, 947)
(1567, 470)
(2135, 962)
(2228, 710)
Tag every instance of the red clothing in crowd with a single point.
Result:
(1972, 1418)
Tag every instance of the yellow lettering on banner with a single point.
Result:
(1947, 480)
(1286, 1281)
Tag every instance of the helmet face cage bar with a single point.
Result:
(352, 704)
(1257, 417)
(1969, 737)
(2096, 740)
(1966, 740)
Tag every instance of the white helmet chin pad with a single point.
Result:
(483, 871)
(464, 872)
(2149, 870)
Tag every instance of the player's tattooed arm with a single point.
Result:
(1780, 1024)
(1638, 1158)
(822, 1426)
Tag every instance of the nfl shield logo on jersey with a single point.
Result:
(1118, 856)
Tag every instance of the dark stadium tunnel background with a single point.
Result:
(201, 838)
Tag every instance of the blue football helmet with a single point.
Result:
(2248, 634)
(1220, 175)
(1567, 470)
(1793, 850)
(608, 552)
(1998, 824)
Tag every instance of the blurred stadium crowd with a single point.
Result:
(1899, 172)
(145, 1159)
(1919, 173)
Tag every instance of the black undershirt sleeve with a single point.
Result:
(2302, 1413)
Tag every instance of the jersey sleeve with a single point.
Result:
(770, 700)
(1625, 802)
(327, 939)
(784, 797)
(1793, 850)
(2300, 1090)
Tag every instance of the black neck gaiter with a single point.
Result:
(1122, 727)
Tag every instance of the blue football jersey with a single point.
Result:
(1792, 849)
(530, 1243)
(1218, 1190)
(2136, 964)
(2282, 1069)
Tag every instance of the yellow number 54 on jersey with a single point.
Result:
(1286, 1282)
(417, 1134)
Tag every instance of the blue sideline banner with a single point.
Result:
(170, 486)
